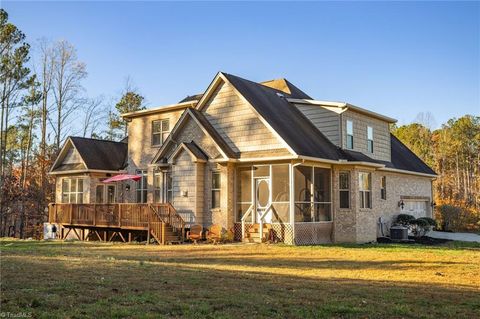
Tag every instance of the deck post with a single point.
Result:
(119, 215)
(148, 229)
(163, 233)
(105, 234)
(94, 214)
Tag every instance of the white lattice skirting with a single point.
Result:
(313, 233)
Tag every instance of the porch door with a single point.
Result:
(262, 198)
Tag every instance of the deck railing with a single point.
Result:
(121, 215)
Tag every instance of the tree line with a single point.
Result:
(453, 152)
(43, 101)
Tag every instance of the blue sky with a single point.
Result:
(398, 59)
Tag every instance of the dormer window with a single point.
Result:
(350, 135)
(370, 139)
(160, 131)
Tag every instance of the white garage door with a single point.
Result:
(415, 208)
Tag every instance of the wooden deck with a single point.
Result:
(118, 221)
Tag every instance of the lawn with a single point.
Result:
(89, 279)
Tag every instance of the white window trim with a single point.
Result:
(345, 190)
(369, 128)
(365, 192)
(219, 189)
(105, 193)
(348, 134)
(68, 193)
(140, 186)
(162, 130)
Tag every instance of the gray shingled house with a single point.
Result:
(264, 160)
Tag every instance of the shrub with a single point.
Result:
(430, 221)
(451, 217)
(420, 226)
(404, 219)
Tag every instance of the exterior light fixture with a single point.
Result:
(401, 204)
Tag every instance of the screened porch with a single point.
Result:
(294, 200)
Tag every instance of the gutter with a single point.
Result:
(402, 171)
(86, 171)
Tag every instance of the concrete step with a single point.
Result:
(252, 240)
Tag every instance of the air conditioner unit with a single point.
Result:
(399, 233)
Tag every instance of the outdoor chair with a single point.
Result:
(195, 233)
(214, 233)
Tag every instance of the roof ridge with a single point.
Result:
(96, 139)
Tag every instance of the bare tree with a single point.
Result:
(67, 77)
(426, 119)
(93, 116)
(45, 72)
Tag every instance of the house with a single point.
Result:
(262, 159)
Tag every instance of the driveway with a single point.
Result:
(455, 236)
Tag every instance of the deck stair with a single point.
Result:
(113, 221)
(252, 235)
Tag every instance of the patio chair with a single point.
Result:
(195, 233)
(214, 233)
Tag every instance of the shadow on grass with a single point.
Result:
(89, 286)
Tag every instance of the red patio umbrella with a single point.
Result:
(122, 177)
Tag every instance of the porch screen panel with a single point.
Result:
(303, 193)
(321, 195)
(244, 191)
(312, 194)
(280, 193)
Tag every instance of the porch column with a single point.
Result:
(292, 201)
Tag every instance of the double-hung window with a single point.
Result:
(370, 139)
(72, 190)
(383, 188)
(157, 187)
(365, 187)
(160, 131)
(349, 134)
(142, 187)
(344, 188)
(167, 185)
(216, 189)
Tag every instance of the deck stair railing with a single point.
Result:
(169, 215)
(248, 213)
(262, 217)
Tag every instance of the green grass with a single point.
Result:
(88, 279)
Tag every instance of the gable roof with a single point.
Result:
(96, 154)
(193, 149)
(285, 119)
(205, 125)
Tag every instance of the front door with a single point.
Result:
(262, 198)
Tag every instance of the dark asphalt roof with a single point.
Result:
(403, 158)
(303, 137)
(293, 127)
(191, 98)
(101, 154)
(196, 150)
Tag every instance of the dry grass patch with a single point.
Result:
(81, 280)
